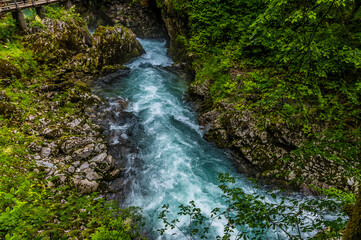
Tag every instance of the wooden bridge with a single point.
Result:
(16, 7)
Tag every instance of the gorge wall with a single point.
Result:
(265, 147)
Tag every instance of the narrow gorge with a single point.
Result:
(130, 119)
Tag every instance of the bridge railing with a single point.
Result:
(4, 4)
(16, 4)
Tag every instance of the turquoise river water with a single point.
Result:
(177, 164)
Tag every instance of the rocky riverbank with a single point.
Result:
(73, 149)
(70, 147)
(56, 164)
(260, 150)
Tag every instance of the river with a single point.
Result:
(178, 165)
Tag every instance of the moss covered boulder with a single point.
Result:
(8, 71)
(7, 109)
(68, 45)
(112, 47)
(59, 40)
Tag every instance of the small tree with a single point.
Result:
(251, 216)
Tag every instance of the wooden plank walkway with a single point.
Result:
(18, 5)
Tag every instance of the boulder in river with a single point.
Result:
(113, 46)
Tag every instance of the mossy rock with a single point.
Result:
(7, 109)
(112, 68)
(59, 40)
(7, 70)
(112, 47)
(4, 97)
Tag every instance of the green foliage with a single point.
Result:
(122, 227)
(57, 12)
(7, 28)
(287, 61)
(36, 22)
(20, 57)
(251, 216)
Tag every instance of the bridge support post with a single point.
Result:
(40, 11)
(66, 4)
(19, 16)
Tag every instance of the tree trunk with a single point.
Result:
(353, 229)
(357, 5)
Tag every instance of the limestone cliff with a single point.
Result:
(142, 17)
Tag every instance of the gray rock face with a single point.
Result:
(71, 169)
(52, 132)
(104, 162)
(83, 167)
(83, 153)
(113, 46)
(46, 164)
(265, 144)
(84, 185)
(139, 16)
(91, 175)
(75, 123)
(34, 147)
(59, 39)
(99, 158)
(45, 152)
(69, 147)
(73, 143)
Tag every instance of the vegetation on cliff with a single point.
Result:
(278, 83)
(289, 65)
(42, 98)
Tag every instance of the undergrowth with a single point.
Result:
(29, 207)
